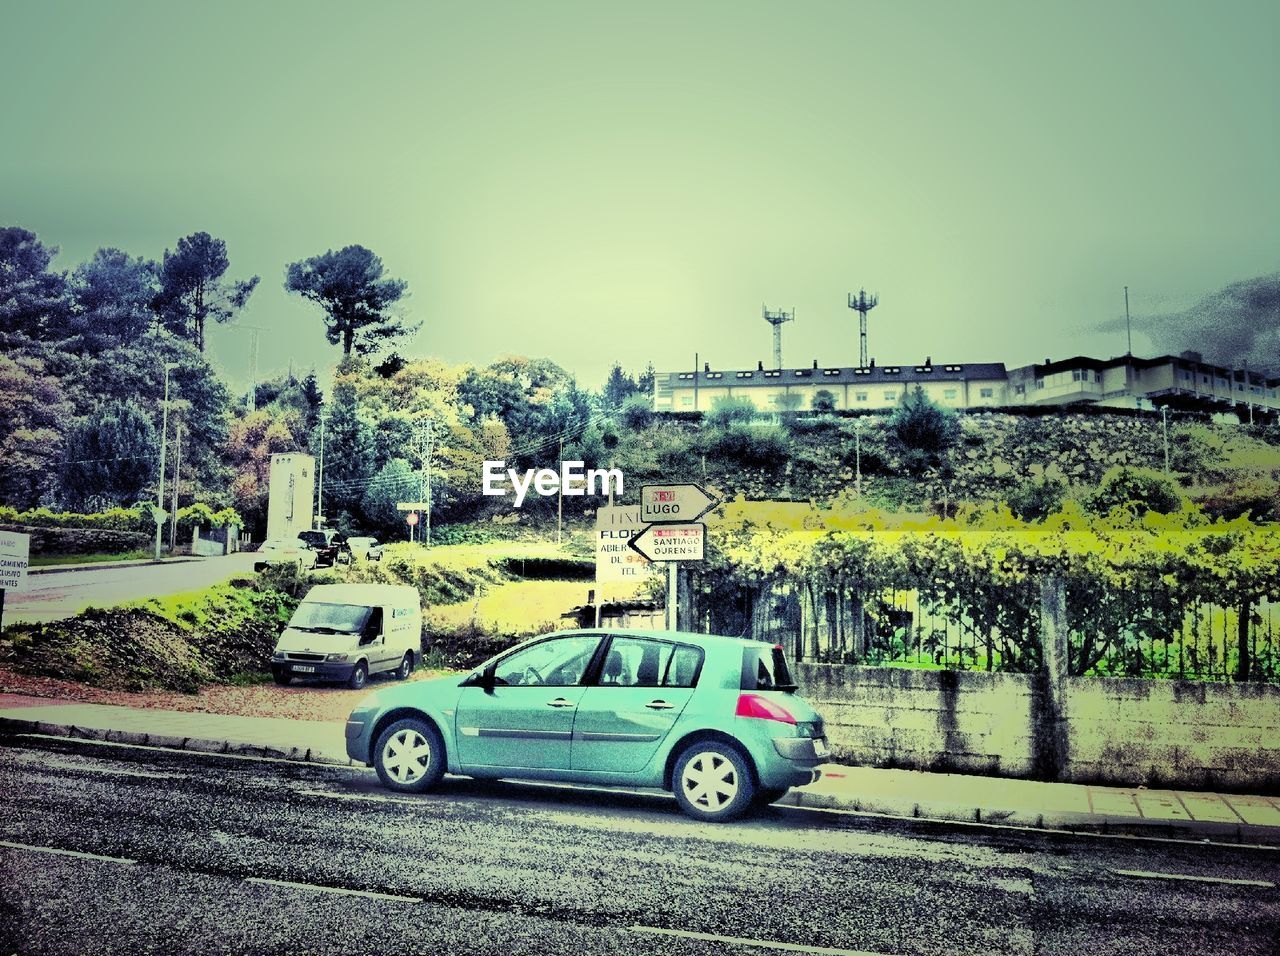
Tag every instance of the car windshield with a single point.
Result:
(330, 618)
(278, 544)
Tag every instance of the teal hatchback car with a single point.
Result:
(716, 720)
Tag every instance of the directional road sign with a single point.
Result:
(411, 506)
(670, 542)
(674, 503)
(615, 526)
(14, 550)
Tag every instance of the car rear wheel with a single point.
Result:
(712, 781)
(409, 756)
(406, 666)
(358, 676)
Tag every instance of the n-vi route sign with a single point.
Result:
(674, 503)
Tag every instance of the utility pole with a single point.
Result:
(423, 441)
(776, 319)
(177, 477)
(862, 304)
(320, 477)
(164, 431)
(251, 396)
(560, 496)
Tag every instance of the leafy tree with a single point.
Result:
(922, 432)
(251, 441)
(36, 411)
(1137, 490)
(387, 488)
(727, 411)
(348, 451)
(33, 301)
(109, 458)
(618, 388)
(644, 381)
(637, 413)
(823, 401)
(356, 296)
(192, 288)
(113, 296)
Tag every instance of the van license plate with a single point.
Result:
(820, 747)
(304, 668)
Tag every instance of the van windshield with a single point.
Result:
(330, 618)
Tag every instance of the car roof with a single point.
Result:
(684, 637)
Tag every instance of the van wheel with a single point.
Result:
(358, 676)
(283, 678)
(713, 781)
(406, 666)
(409, 756)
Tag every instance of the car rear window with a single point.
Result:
(765, 668)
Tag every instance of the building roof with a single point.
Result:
(837, 375)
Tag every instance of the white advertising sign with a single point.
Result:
(614, 560)
(14, 552)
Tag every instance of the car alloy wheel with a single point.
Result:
(409, 756)
(713, 782)
(406, 666)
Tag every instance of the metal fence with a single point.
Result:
(895, 628)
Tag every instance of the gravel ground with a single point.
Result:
(299, 701)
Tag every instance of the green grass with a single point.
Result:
(47, 560)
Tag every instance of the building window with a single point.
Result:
(686, 399)
(715, 375)
(987, 392)
(1039, 383)
(890, 396)
(831, 371)
(949, 393)
(860, 396)
(773, 374)
(1020, 389)
(744, 374)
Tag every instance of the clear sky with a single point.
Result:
(596, 181)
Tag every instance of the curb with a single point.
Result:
(909, 811)
(205, 745)
(107, 565)
(1048, 821)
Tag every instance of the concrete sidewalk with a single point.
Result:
(899, 793)
(107, 565)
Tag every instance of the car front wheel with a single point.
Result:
(409, 756)
(358, 676)
(406, 666)
(713, 782)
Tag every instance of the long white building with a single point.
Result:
(1122, 382)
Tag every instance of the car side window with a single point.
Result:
(635, 662)
(559, 662)
(684, 667)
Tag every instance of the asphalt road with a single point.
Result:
(198, 854)
(56, 595)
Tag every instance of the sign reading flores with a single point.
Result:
(14, 551)
(573, 478)
(615, 526)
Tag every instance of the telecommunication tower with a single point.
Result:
(862, 304)
(776, 319)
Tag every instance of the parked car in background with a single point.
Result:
(330, 546)
(716, 720)
(366, 549)
(275, 551)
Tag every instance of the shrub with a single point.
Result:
(637, 413)
(730, 411)
(1037, 499)
(1136, 489)
(922, 431)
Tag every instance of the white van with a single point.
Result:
(345, 632)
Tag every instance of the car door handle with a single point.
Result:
(561, 702)
(659, 705)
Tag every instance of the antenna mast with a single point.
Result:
(862, 304)
(776, 319)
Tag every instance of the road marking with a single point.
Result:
(75, 853)
(368, 894)
(760, 943)
(1149, 875)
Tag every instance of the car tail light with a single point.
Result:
(754, 705)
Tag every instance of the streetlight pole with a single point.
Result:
(177, 476)
(164, 432)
